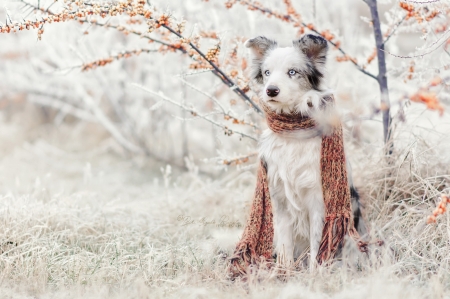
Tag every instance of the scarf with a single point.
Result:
(256, 244)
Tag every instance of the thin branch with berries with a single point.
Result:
(131, 9)
(239, 160)
(219, 73)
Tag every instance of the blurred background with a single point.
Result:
(47, 97)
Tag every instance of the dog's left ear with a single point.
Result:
(315, 48)
(260, 46)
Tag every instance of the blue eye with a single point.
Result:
(267, 73)
(292, 72)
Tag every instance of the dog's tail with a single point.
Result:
(358, 220)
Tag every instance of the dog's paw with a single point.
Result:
(284, 260)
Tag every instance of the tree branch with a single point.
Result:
(393, 30)
(382, 73)
(219, 73)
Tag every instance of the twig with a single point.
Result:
(142, 35)
(123, 54)
(393, 30)
(102, 62)
(216, 101)
(422, 2)
(226, 129)
(194, 73)
(228, 114)
(109, 126)
(239, 160)
(426, 53)
(98, 116)
(60, 105)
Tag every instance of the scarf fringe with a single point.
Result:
(333, 233)
(241, 260)
(244, 257)
(335, 230)
(239, 264)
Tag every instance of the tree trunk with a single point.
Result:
(382, 78)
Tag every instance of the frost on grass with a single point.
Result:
(94, 223)
(109, 184)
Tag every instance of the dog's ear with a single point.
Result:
(314, 47)
(260, 46)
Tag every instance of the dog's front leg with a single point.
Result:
(283, 225)
(284, 242)
(316, 218)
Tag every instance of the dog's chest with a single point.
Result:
(293, 168)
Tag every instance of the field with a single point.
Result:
(110, 190)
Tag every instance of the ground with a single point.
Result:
(94, 222)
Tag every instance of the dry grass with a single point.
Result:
(91, 223)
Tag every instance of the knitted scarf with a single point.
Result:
(256, 244)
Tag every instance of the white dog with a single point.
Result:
(292, 81)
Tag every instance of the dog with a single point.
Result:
(292, 81)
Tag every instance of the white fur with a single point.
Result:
(293, 168)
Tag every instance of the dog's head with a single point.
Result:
(291, 77)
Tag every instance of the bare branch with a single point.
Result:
(65, 107)
(227, 114)
(216, 101)
(109, 126)
(394, 30)
(226, 129)
(419, 55)
(422, 2)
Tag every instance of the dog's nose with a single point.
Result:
(272, 91)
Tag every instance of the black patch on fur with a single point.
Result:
(315, 48)
(356, 210)
(257, 74)
(356, 215)
(314, 76)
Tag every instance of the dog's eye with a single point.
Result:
(292, 72)
(267, 73)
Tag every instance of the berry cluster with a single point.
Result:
(427, 97)
(440, 209)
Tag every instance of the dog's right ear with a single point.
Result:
(260, 46)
